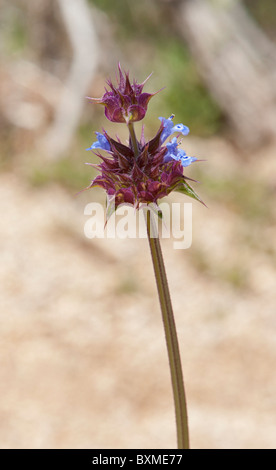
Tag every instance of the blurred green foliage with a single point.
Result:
(66, 171)
(151, 25)
(264, 13)
(245, 195)
(185, 95)
(14, 34)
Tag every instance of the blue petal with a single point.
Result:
(102, 143)
(174, 153)
(170, 129)
(171, 150)
(184, 130)
(186, 161)
(168, 125)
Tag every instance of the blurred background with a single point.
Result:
(83, 362)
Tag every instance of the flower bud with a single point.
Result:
(125, 103)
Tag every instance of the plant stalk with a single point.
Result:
(170, 334)
(133, 139)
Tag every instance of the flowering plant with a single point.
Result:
(140, 174)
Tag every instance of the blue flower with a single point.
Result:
(170, 129)
(175, 153)
(102, 143)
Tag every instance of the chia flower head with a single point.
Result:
(140, 172)
(126, 102)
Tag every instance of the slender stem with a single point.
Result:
(133, 139)
(170, 333)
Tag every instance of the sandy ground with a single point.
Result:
(83, 362)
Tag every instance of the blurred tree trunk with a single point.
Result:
(78, 20)
(237, 62)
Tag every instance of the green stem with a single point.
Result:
(133, 139)
(170, 333)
